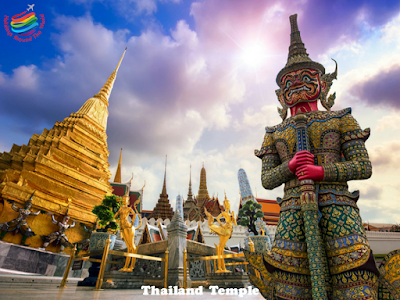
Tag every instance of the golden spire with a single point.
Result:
(203, 192)
(96, 107)
(105, 92)
(117, 177)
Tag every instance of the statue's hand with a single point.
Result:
(313, 172)
(301, 158)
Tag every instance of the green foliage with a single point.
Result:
(248, 215)
(113, 226)
(395, 228)
(113, 202)
(105, 212)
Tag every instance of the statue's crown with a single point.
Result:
(298, 56)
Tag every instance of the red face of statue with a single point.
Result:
(300, 86)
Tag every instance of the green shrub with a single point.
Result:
(105, 212)
(248, 215)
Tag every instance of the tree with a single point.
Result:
(249, 214)
(105, 212)
(395, 228)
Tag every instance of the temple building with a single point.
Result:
(190, 210)
(203, 199)
(163, 208)
(193, 207)
(66, 166)
(202, 196)
(270, 208)
(120, 189)
(244, 186)
(213, 206)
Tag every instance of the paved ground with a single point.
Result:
(79, 293)
(16, 285)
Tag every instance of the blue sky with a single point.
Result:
(197, 83)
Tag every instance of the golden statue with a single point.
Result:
(128, 231)
(223, 230)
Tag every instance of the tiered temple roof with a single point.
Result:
(213, 206)
(163, 208)
(203, 199)
(66, 165)
(190, 210)
(121, 189)
(202, 196)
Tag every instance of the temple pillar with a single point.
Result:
(177, 232)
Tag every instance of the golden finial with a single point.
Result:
(105, 92)
(96, 107)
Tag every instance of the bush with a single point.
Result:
(105, 212)
(249, 214)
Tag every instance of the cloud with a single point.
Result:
(390, 31)
(388, 122)
(267, 115)
(323, 25)
(380, 90)
(188, 92)
(385, 156)
(372, 192)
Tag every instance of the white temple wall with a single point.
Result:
(383, 242)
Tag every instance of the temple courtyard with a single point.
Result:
(75, 293)
(18, 285)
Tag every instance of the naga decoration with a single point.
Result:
(19, 224)
(320, 249)
(224, 232)
(128, 230)
(59, 236)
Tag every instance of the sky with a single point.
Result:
(198, 84)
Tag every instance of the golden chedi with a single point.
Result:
(66, 165)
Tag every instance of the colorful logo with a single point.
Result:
(24, 25)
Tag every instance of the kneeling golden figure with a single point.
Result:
(128, 231)
(223, 230)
